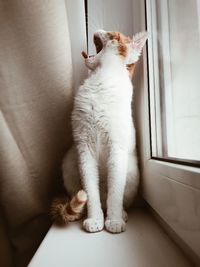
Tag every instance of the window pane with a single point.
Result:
(174, 69)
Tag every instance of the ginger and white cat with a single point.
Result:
(103, 160)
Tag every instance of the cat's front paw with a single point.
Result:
(115, 225)
(93, 225)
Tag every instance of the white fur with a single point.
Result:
(104, 137)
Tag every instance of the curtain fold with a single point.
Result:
(35, 105)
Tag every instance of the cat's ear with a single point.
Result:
(138, 41)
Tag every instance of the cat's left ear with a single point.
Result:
(139, 41)
(136, 46)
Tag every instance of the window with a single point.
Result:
(169, 94)
(174, 79)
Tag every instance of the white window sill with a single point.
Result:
(143, 244)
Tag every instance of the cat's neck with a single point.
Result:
(113, 62)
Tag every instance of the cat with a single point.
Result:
(103, 160)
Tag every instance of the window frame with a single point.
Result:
(166, 183)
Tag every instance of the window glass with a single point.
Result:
(174, 78)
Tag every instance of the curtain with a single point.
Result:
(35, 104)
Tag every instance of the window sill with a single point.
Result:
(143, 244)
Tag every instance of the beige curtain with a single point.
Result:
(35, 103)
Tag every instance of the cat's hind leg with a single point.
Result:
(70, 172)
(132, 180)
(124, 215)
(63, 209)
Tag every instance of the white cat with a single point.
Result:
(103, 160)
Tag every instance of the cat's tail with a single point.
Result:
(63, 211)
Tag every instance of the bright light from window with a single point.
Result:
(174, 75)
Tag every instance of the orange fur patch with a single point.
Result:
(69, 210)
(122, 48)
(122, 42)
(64, 211)
(131, 69)
(58, 211)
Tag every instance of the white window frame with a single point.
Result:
(171, 189)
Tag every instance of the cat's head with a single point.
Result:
(117, 43)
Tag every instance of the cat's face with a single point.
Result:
(117, 43)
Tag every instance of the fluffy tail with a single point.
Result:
(63, 211)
